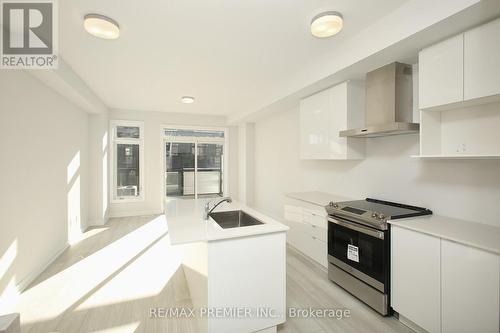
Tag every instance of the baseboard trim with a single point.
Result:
(410, 324)
(97, 223)
(306, 257)
(26, 281)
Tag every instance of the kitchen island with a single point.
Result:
(236, 275)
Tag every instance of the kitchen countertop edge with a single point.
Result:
(191, 228)
(482, 236)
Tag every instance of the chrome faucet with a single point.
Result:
(217, 202)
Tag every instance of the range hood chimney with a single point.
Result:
(389, 103)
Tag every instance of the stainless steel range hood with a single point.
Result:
(389, 103)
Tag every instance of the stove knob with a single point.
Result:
(332, 204)
(382, 216)
(375, 215)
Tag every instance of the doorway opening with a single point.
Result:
(194, 162)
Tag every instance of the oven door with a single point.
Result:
(359, 250)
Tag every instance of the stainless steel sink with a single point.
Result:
(234, 219)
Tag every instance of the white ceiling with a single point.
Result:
(229, 54)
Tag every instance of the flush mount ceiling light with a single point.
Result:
(187, 99)
(101, 26)
(326, 24)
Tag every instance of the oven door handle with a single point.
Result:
(352, 226)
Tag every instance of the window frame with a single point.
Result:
(224, 141)
(113, 152)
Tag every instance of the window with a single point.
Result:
(194, 162)
(127, 171)
(177, 132)
(131, 132)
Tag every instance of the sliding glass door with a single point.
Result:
(180, 165)
(209, 169)
(194, 163)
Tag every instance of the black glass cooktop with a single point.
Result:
(389, 209)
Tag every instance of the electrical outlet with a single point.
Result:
(461, 148)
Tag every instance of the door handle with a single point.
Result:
(359, 228)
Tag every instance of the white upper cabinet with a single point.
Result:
(459, 83)
(324, 114)
(441, 75)
(463, 70)
(482, 61)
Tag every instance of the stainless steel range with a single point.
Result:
(358, 247)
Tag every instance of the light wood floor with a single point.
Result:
(108, 282)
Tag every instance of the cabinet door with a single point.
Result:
(298, 235)
(322, 116)
(318, 250)
(415, 277)
(482, 61)
(470, 289)
(441, 75)
(315, 218)
(319, 232)
(315, 121)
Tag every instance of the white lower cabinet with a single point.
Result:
(308, 232)
(470, 289)
(415, 277)
(298, 235)
(444, 286)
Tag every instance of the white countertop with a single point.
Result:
(482, 236)
(186, 224)
(316, 197)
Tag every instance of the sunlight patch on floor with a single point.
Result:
(145, 277)
(8, 258)
(52, 297)
(9, 297)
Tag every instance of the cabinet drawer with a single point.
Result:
(315, 218)
(317, 250)
(318, 232)
(300, 237)
(314, 212)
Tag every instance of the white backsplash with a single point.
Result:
(467, 189)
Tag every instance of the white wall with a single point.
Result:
(234, 163)
(43, 176)
(153, 142)
(98, 169)
(246, 163)
(468, 189)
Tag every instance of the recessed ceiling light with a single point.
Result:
(187, 99)
(326, 24)
(101, 26)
